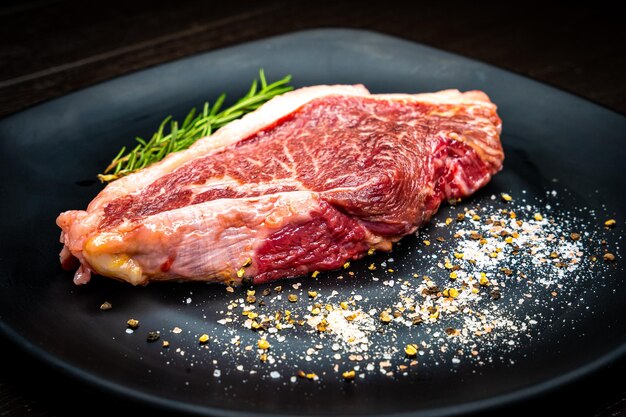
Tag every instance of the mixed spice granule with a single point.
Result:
(490, 277)
(153, 336)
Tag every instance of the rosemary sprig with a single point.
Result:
(195, 126)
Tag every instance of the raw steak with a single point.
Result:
(311, 180)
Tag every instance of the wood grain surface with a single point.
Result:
(50, 48)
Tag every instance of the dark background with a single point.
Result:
(50, 48)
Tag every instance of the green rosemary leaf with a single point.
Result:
(262, 78)
(172, 136)
(218, 104)
(189, 118)
(252, 90)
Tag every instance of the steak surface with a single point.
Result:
(311, 180)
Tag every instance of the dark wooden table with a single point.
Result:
(50, 48)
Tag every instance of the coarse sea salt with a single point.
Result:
(492, 274)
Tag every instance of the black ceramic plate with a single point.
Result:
(50, 154)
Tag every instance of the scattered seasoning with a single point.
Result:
(349, 375)
(411, 350)
(430, 290)
(251, 298)
(132, 324)
(506, 197)
(451, 292)
(417, 320)
(495, 294)
(153, 336)
(385, 317)
(515, 250)
(322, 325)
(346, 265)
(105, 306)
(609, 257)
(203, 338)
(450, 331)
(610, 223)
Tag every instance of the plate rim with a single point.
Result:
(171, 405)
